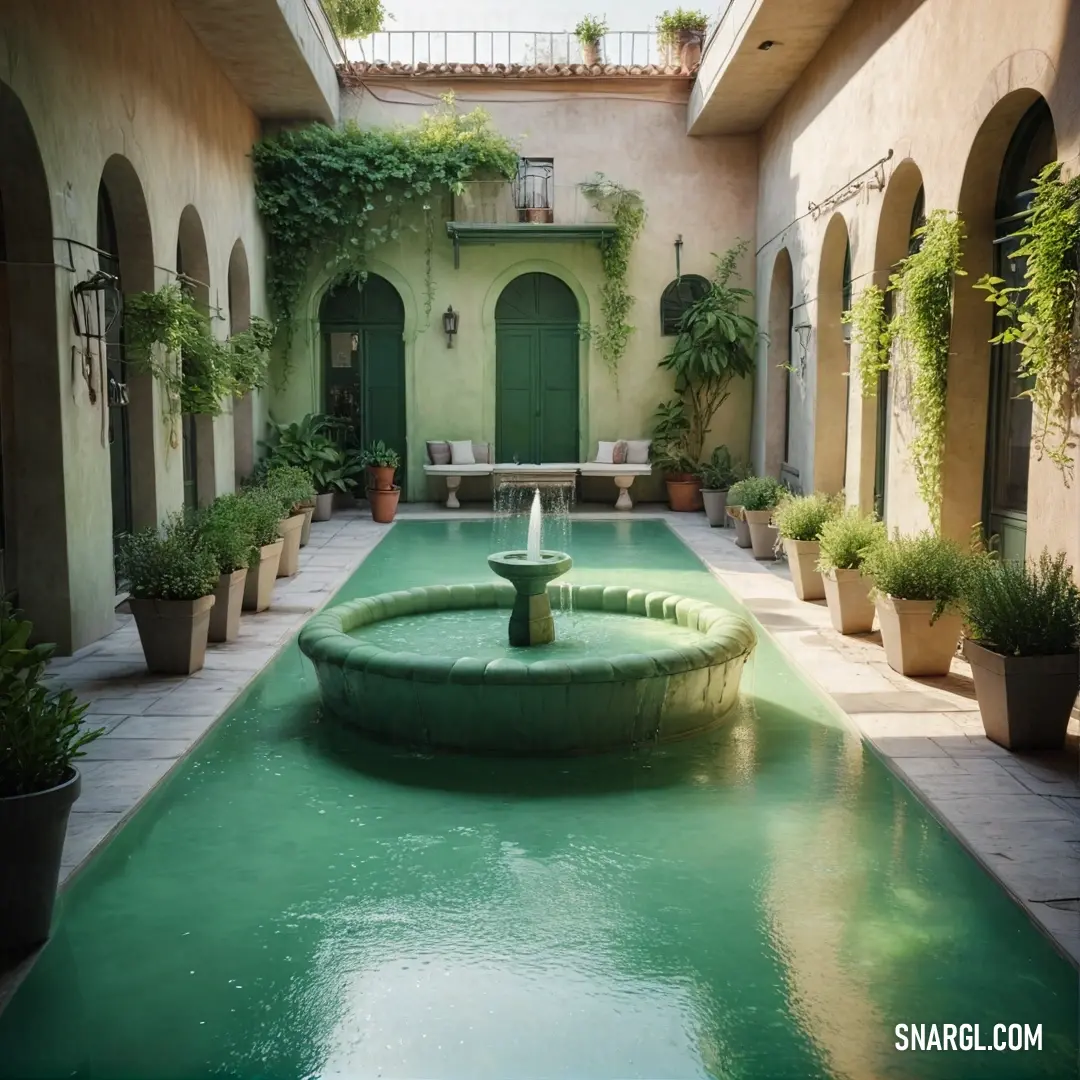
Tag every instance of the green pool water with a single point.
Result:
(763, 903)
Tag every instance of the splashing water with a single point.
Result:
(513, 502)
(532, 548)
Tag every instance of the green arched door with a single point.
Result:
(537, 347)
(363, 331)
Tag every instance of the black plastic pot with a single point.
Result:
(32, 831)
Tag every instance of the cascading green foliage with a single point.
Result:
(355, 18)
(329, 196)
(249, 360)
(1041, 314)
(627, 210)
(922, 324)
(871, 335)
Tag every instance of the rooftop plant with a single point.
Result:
(171, 563)
(590, 29)
(756, 493)
(802, 517)
(1023, 608)
(671, 23)
(921, 567)
(226, 528)
(355, 18)
(41, 732)
(845, 540)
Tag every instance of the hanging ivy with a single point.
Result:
(250, 356)
(1041, 314)
(872, 337)
(329, 196)
(922, 325)
(627, 210)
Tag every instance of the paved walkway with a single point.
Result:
(1019, 815)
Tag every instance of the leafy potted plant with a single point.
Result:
(758, 497)
(172, 577)
(332, 478)
(1023, 627)
(305, 444)
(291, 485)
(717, 476)
(670, 452)
(226, 528)
(41, 735)
(590, 32)
(263, 511)
(383, 494)
(844, 543)
(918, 585)
(682, 33)
(799, 519)
(734, 510)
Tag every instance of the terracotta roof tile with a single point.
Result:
(356, 71)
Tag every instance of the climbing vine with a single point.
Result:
(871, 336)
(1041, 314)
(250, 356)
(922, 324)
(329, 196)
(627, 210)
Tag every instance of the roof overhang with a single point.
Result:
(461, 232)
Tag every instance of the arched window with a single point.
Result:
(678, 296)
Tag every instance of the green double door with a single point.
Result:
(537, 389)
(363, 332)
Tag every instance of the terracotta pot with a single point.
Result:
(305, 529)
(173, 633)
(802, 557)
(383, 504)
(689, 45)
(290, 552)
(32, 831)
(228, 599)
(539, 215)
(913, 644)
(380, 477)
(684, 492)
(1025, 701)
(847, 593)
(259, 584)
(763, 533)
(324, 507)
(590, 53)
(742, 530)
(715, 507)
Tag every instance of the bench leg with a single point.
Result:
(623, 502)
(452, 485)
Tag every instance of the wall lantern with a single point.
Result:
(450, 325)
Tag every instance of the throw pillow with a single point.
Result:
(637, 451)
(482, 452)
(605, 453)
(438, 452)
(461, 453)
(618, 456)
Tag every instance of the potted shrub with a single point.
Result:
(717, 476)
(291, 485)
(682, 34)
(590, 32)
(799, 520)
(1023, 630)
(332, 478)
(226, 528)
(306, 444)
(734, 510)
(918, 585)
(40, 737)
(758, 498)
(670, 452)
(383, 494)
(844, 543)
(263, 511)
(172, 576)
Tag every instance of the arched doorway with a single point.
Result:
(363, 332)
(536, 371)
(1009, 415)
(240, 320)
(831, 382)
(778, 374)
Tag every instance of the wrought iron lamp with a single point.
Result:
(450, 325)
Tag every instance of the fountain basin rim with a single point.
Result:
(522, 557)
(325, 640)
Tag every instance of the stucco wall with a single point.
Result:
(703, 189)
(942, 84)
(126, 78)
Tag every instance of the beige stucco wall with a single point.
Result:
(126, 78)
(941, 83)
(703, 189)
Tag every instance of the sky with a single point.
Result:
(500, 15)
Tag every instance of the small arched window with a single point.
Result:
(677, 297)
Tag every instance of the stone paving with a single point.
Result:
(1018, 814)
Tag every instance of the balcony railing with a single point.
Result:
(626, 48)
(495, 202)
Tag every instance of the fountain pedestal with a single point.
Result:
(531, 621)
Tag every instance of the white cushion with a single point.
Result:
(637, 451)
(461, 453)
(605, 453)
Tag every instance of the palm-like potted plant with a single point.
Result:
(226, 528)
(756, 498)
(291, 485)
(844, 544)
(918, 586)
(1023, 632)
(172, 577)
(381, 462)
(717, 476)
(682, 32)
(799, 519)
(41, 735)
(590, 32)
(263, 513)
